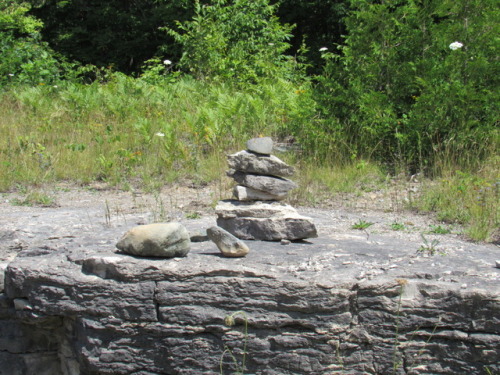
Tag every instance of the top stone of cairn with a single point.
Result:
(261, 145)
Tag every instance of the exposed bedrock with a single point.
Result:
(325, 306)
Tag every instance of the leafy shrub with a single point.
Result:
(401, 88)
(24, 58)
(240, 40)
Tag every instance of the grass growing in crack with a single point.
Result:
(429, 248)
(35, 198)
(107, 213)
(361, 225)
(230, 321)
(398, 226)
(438, 229)
(193, 215)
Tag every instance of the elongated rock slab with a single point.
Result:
(272, 229)
(228, 209)
(272, 185)
(264, 221)
(243, 193)
(268, 165)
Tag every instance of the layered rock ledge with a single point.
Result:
(341, 303)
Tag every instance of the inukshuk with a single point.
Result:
(257, 213)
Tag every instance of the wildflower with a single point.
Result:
(455, 45)
(167, 62)
(229, 320)
(160, 134)
(402, 282)
(11, 74)
(323, 49)
(271, 44)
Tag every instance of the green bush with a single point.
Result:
(24, 58)
(403, 90)
(240, 40)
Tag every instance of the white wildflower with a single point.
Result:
(167, 62)
(11, 74)
(160, 134)
(455, 45)
(323, 49)
(270, 44)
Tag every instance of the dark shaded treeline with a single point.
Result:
(124, 34)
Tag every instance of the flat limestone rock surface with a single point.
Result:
(323, 305)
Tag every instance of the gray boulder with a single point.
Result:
(250, 162)
(261, 145)
(229, 245)
(166, 240)
(243, 193)
(273, 185)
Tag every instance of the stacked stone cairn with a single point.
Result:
(257, 213)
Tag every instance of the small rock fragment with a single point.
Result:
(166, 240)
(3, 266)
(229, 245)
(21, 304)
(261, 145)
(198, 237)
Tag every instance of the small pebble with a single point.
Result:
(285, 242)
(497, 263)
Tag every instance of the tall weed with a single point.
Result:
(472, 199)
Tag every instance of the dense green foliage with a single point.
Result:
(238, 40)
(24, 58)
(399, 91)
(115, 33)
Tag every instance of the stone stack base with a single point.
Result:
(264, 221)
